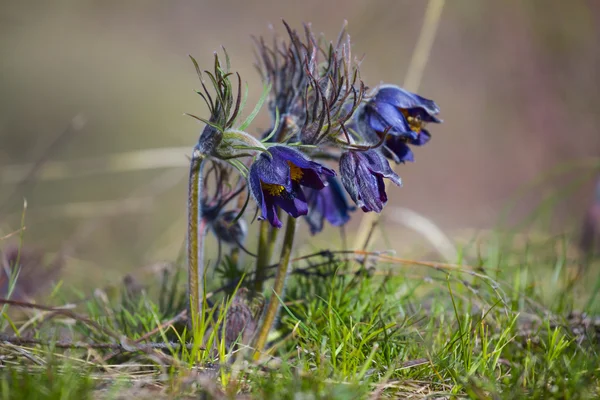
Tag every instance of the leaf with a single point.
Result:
(257, 108)
(241, 106)
(274, 128)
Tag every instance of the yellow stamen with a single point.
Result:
(295, 172)
(272, 189)
(415, 123)
(276, 190)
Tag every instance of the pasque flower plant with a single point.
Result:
(323, 119)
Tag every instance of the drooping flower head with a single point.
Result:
(276, 180)
(404, 115)
(362, 175)
(229, 228)
(319, 111)
(329, 204)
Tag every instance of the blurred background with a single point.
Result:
(92, 96)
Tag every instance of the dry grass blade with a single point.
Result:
(179, 317)
(66, 313)
(121, 347)
(427, 229)
(11, 234)
(139, 160)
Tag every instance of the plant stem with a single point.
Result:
(261, 259)
(278, 286)
(266, 245)
(195, 242)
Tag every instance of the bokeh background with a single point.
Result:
(84, 81)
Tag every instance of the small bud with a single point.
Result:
(209, 140)
(242, 317)
(229, 231)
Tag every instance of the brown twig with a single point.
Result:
(20, 341)
(13, 233)
(65, 312)
(182, 316)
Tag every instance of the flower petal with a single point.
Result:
(329, 204)
(256, 188)
(423, 138)
(379, 116)
(315, 217)
(369, 189)
(401, 98)
(380, 166)
(337, 208)
(348, 165)
(311, 179)
(274, 170)
(399, 149)
(270, 211)
(362, 175)
(295, 204)
(299, 159)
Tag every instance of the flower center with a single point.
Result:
(414, 122)
(295, 172)
(272, 189)
(277, 190)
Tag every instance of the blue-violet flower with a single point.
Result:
(329, 203)
(362, 175)
(276, 179)
(404, 114)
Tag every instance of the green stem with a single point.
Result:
(278, 286)
(195, 242)
(261, 259)
(266, 245)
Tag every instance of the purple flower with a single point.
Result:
(276, 179)
(405, 114)
(362, 175)
(589, 240)
(329, 204)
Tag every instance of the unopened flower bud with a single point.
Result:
(229, 231)
(242, 317)
(209, 140)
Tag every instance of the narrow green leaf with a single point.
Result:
(274, 128)
(257, 108)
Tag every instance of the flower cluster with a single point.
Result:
(322, 117)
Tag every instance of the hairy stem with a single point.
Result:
(261, 259)
(195, 242)
(278, 286)
(266, 245)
